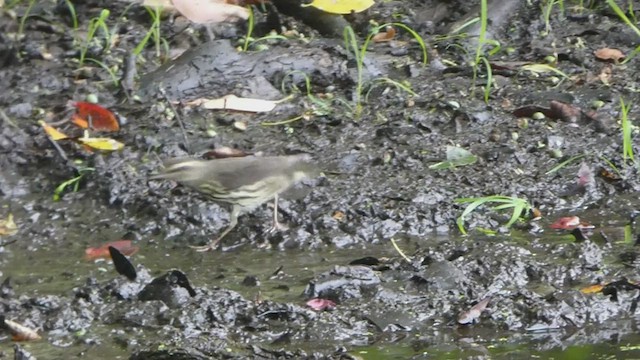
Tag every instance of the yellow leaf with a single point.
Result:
(8, 226)
(101, 143)
(341, 6)
(592, 289)
(53, 133)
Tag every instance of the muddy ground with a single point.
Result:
(378, 183)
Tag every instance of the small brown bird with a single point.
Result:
(244, 182)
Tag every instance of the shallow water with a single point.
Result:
(40, 273)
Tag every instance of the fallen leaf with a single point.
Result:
(318, 304)
(106, 144)
(592, 289)
(102, 252)
(232, 102)
(384, 36)
(53, 133)
(570, 223)
(609, 176)
(210, 11)
(8, 226)
(472, 315)
(564, 111)
(609, 54)
(94, 116)
(18, 331)
(341, 6)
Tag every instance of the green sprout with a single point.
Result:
(627, 129)
(24, 18)
(112, 74)
(74, 18)
(95, 24)
(359, 52)
(153, 32)
(480, 55)
(546, 14)
(520, 207)
(321, 107)
(629, 22)
(248, 40)
(564, 164)
(73, 182)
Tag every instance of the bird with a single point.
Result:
(243, 182)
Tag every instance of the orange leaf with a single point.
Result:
(95, 115)
(102, 252)
(385, 36)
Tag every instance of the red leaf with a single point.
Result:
(566, 223)
(100, 118)
(102, 252)
(570, 223)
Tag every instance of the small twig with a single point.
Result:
(62, 153)
(175, 111)
(395, 245)
(127, 82)
(9, 242)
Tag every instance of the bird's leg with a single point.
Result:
(235, 212)
(276, 225)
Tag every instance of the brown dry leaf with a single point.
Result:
(564, 111)
(609, 54)
(8, 226)
(20, 332)
(210, 11)
(385, 36)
